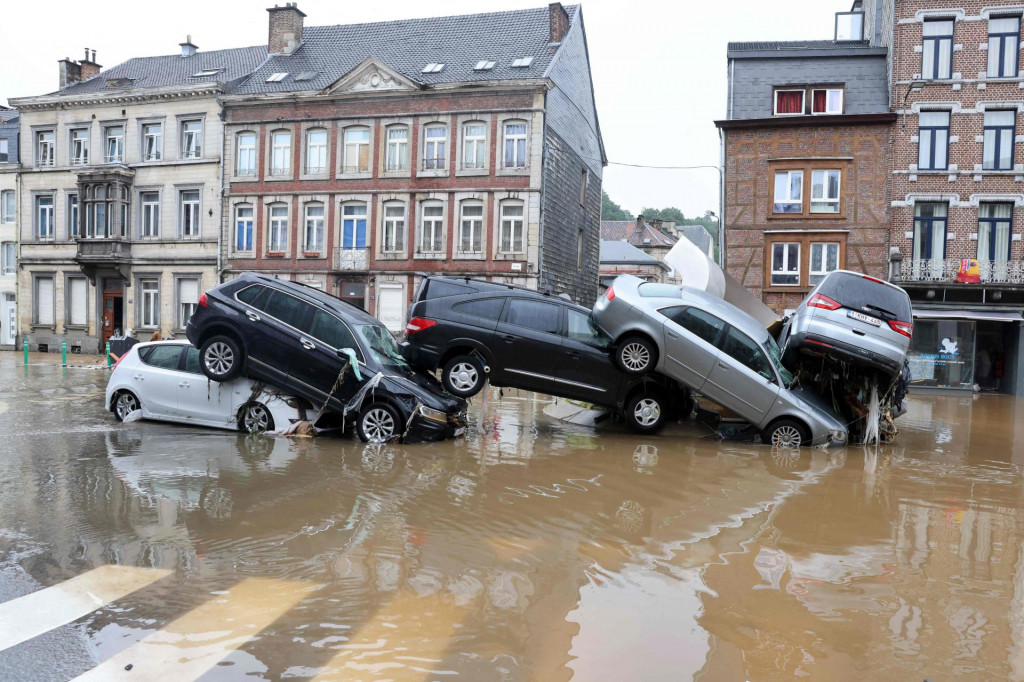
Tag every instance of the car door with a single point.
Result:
(328, 335)
(691, 338)
(156, 380)
(586, 370)
(286, 349)
(744, 377)
(527, 343)
(261, 344)
(204, 401)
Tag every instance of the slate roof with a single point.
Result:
(627, 230)
(767, 45)
(623, 253)
(7, 114)
(698, 235)
(406, 46)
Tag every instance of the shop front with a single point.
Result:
(966, 350)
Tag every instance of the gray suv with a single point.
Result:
(853, 318)
(714, 348)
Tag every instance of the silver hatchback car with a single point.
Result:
(716, 349)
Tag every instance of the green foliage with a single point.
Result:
(612, 211)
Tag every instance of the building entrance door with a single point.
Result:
(8, 321)
(113, 309)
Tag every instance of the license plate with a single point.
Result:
(459, 431)
(873, 321)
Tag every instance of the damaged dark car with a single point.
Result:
(324, 350)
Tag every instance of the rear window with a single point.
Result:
(250, 294)
(655, 290)
(163, 357)
(488, 308)
(857, 292)
(435, 288)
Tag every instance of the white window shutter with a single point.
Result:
(188, 291)
(78, 305)
(44, 300)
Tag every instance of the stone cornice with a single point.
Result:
(115, 96)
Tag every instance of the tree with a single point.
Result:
(669, 214)
(612, 211)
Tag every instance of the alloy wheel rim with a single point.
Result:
(256, 419)
(635, 356)
(464, 376)
(378, 425)
(647, 412)
(126, 405)
(219, 358)
(786, 437)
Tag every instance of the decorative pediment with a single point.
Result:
(371, 76)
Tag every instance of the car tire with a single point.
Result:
(646, 412)
(220, 358)
(463, 376)
(378, 423)
(786, 433)
(636, 355)
(255, 418)
(125, 402)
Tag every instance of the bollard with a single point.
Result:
(63, 353)
(108, 354)
(26, 351)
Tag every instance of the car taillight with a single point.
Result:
(823, 302)
(202, 300)
(418, 324)
(610, 294)
(904, 328)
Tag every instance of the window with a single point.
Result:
(434, 147)
(188, 299)
(7, 208)
(511, 237)
(394, 228)
(150, 313)
(930, 231)
(703, 325)
(484, 65)
(789, 191)
(44, 217)
(585, 180)
(357, 151)
(579, 250)
(332, 331)
(150, 218)
(8, 259)
(995, 225)
(474, 138)
(163, 357)
(432, 228)
(245, 156)
(278, 241)
(313, 234)
(522, 62)
(191, 139)
(745, 350)
(824, 259)
(80, 147)
(785, 264)
(397, 149)
(316, 152)
(73, 216)
(280, 152)
(206, 73)
(44, 301)
(96, 213)
(243, 228)
(189, 210)
(535, 315)
(113, 142)
(581, 328)
(1003, 46)
(152, 141)
(825, 191)
(277, 77)
(789, 102)
(353, 226)
(433, 68)
(487, 309)
(999, 134)
(933, 140)
(4, 150)
(285, 308)
(44, 149)
(515, 145)
(937, 51)
(827, 101)
(78, 301)
(849, 26)
(471, 227)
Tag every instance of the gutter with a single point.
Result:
(806, 121)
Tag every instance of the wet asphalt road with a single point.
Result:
(528, 550)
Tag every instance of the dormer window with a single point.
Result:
(802, 100)
(849, 26)
(827, 101)
(789, 102)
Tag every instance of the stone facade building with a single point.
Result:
(8, 230)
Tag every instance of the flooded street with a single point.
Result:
(528, 550)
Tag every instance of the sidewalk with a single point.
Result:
(10, 357)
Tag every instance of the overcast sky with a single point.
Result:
(659, 67)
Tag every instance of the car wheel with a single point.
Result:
(124, 404)
(646, 412)
(378, 423)
(636, 355)
(463, 376)
(255, 418)
(785, 433)
(220, 358)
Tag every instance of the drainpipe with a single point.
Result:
(220, 216)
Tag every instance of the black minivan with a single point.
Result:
(474, 331)
(321, 349)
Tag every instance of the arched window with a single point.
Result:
(394, 227)
(511, 238)
(397, 158)
(313, 228)
(431, 227)
(356, 156)
(515, 144)
(471, 227)
(277, 229)
(316, 151)
(245, 154)
(243, 227)
(353, 226)
(280, 152)
(435, 146)
(474, 140)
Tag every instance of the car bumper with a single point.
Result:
(421, 356)
(423, 430)
(815, 343)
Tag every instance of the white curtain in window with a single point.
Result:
(995, 225)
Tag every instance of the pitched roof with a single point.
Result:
(623, 253)
(628, 230)
(698, 235)
(458, 42)
(7, 114)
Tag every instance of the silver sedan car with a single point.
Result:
(715, 349)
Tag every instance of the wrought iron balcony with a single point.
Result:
(949, 270)
(352, 260)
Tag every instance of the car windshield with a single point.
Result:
(776, 357)
(383, 347)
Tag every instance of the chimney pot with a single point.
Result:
(285, 32)
(89, 67)
(94, 55)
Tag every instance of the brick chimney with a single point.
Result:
(187, 48)
(70, 72)
(559, 21)
(89, 66)
(285, 28)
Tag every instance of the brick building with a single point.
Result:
(359, 157)
(805, 147)
(8, 231)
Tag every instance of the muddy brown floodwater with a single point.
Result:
(528, 550)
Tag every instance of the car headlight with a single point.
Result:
(838, 435)
(433, 415)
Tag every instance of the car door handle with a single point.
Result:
(723, 365)
(184, 384)
(672, 336)
(508, 338)
(574, 354)
(307, 344)
(252, 316)
(858, 332)
(138, 377)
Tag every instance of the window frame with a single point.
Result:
(803, 101)
(275, 172)
(998, 132)
(476, 231)
(401, 146)
(307, 148)
(435, 164)
(251, 236)
(825, 199)
(316, 225)
(823, 272)
(76, 159)
(827, 111)
(8, 214)
(936, 40)
(930, 221)
(180, 319)
(347, 170)
(145, 136)
(521, 219)
(37, 218)
(185, 151)
(47, 158)
(806, 239)
(183, 211)
(354, 219)
(279, 226)
(437, 230)
(391, 246)
(69, 303)
(523, 137)
(148, 298)
(1002, 37)
(72, 206)
(8, 266)
(933, 130)
(789, 172)
(109, 137)
(145, 214)
(991, 223)
(773, 273)
(250, 153)
(36, 279)
(479, 143)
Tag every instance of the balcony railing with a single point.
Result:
(354, 260)
(103, 250)
(948, 270)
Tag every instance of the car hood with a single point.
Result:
(425, 388)
(816, 401)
